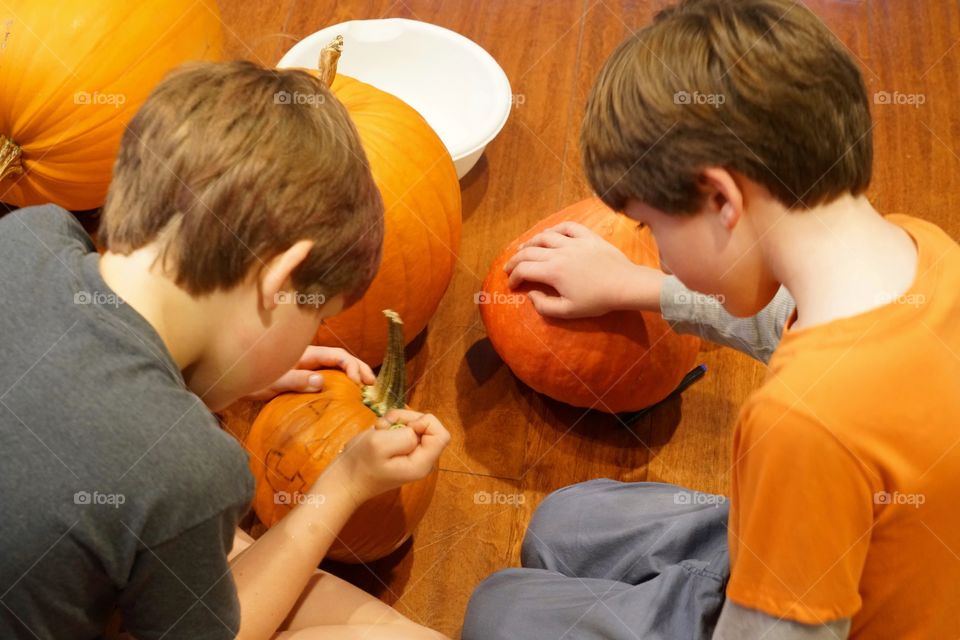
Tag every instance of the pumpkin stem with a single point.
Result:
(9, 158)
(390, 390)
(329, 57)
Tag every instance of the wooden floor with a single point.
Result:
(506, 438)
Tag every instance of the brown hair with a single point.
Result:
(227, 165)
(757, 86)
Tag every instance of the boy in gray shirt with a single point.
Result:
(119, 490)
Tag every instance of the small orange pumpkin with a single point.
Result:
(73, 73)
(422, 216)
(298, 435)
(622, 361)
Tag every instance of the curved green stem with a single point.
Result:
(390, 390)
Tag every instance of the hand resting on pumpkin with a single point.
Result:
(590, 276)
(304, 377)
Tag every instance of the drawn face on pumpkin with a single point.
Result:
(716, 250)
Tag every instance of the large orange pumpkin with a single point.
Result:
(73, 73)
(622, 361)
(421, 196)
(298, 435)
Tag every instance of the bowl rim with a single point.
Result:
(497, 74)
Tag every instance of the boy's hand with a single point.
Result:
(389, 455)
(303, 376)
(591, 276)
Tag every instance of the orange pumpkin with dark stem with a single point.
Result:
(422, 216)
(73, 73)
(622, 361)
(298, 435)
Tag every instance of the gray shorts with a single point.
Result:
(611, 560)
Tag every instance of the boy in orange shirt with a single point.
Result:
(740, 133)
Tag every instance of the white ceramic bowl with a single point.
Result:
(454, 83)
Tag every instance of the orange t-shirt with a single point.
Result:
(846, 473)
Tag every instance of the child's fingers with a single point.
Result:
(527, 254)
(402, 415)
(572, 230)
(351, 368)
(430, 428)
(436, 435)
(366, 373)
(421, 460)
(433, 439)
(419, 426)
(548, 239)
(357, 370)
(294, 380)
(315, 357)
(553, 306)
(390, 443)
(532, 272)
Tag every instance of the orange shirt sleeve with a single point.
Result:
(801, 516)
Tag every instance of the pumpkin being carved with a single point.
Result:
(622, 361)
(73, 73)
(422, 217)
(298, 435)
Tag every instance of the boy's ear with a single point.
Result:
(277, 272)
(723, 195)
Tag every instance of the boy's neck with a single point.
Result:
(181, 321)
(838, 260)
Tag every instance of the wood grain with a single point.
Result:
(506, 438)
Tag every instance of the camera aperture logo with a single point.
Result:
(486, 497)
(697, 498)
(899, 99)
(498, 297)
(687, 98)
(295, 498)
(103, 298)
(96, 498)
(116, 100)
(911, 499)
(315, 300)
(909, 299)
(697, 298)
(285, 97)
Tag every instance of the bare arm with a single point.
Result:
(271, 574)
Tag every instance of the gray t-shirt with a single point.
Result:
(117, 486)
(695, 313)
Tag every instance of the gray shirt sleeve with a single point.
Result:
(695, 313)
(183, 588)
(740, 623)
